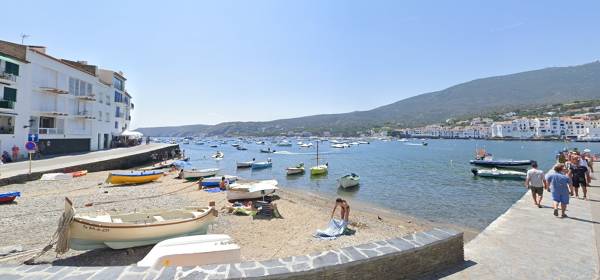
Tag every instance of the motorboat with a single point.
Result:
(267, 151)
(350, 180)
(499, 173)
(284, 143)
(298, 169)
(244, 164)
(251, 190)
(191, 251)
(262, 164)
(501, 163)
(195, 174)
(120, 231)
(306, 145)
(133, 176)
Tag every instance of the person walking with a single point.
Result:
(15, 153)
(560, 186)
(580, 176)
(536, 182)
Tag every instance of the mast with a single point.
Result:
(317, 152)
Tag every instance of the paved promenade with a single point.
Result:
(43, 165)
(530, 243)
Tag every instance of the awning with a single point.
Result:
(6, 58)
(132, 134)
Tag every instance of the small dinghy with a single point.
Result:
(348, 181)
(298, 169)
(79, 173)
(9, 197)
(244, 164)
(195, 174)
(262, 164)
(251, 190)
(56, 176)
(133, 177)
(215, 181)
(119, 231)
(499, 174)
(193, 250)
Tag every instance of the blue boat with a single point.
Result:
(262, 164)
(8, 197)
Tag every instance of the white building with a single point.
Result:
(71, 106)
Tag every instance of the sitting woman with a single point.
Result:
(344, 208)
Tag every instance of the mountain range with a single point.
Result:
(482, 96)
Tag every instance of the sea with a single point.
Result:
(432, 182)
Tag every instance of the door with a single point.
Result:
(99, 136)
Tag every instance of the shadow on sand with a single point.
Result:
(105, 257)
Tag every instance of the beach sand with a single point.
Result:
(31, 221)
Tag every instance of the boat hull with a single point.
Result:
(137, 177)
(294, 171)
(498, 163)
(318, 170)
(193, 174)
(247, 164)
(261, 165)
(348, 182)
(215, 181)
(243, 195)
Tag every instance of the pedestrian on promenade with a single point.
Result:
(536, 182)
(15, 152)
(580, 176)
(561, 187)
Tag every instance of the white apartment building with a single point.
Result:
(70, 106)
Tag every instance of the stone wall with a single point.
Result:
(124, 162)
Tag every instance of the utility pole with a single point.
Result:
(23, 36)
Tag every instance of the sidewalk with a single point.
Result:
(530, 243)
(54, 163)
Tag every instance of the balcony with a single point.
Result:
(54, 90)
(85, 115)
(7, 104)
(52, 130)
(7, 78)
(89, 97)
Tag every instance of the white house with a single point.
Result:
(70, 105)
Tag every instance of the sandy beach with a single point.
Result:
(31, 221)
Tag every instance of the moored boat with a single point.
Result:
(251, 190)
(499, 174)
(193, 250)
(218, 155)
(244, 164)
(267, 151)
(320, 169)
(350, 180)
(195, 174)
(9, 197)
(501, 163)
(298, 169)
(133, 177)
(262, 164)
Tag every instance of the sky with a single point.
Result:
(201, 62)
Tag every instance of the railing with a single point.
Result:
(50, 130)
(8, 76)
(7, 104)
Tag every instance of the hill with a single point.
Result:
(482, 96)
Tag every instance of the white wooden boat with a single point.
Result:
(56, 176)
(119, 231)
(216, 180)
(348, 181)
(194, 174)
(193, 250)
(244, 164)
(298, 169)
(251, 190)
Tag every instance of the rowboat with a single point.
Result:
(499, 174)
(298, 169)
(193, 250)
(195, 174)
(251, 190)
(133, 177)
(501, 163)
(244, 164)
(56, 176)
(79, 173)
(215, 181)
(320, 169)
(8, 197)
(262, 164)
(348, 181)
(119, 231)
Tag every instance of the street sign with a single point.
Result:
(30, 146)
(33, 137)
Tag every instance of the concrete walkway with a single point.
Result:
(43, 165)
(530, 243)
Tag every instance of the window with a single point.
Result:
(118, 112)
(47, 122)
(118, 83)
(107, 99)
(116, 125)
(107, 117)
(101, 98)
(118, 97)
(79, 88)
(10, 94)
(11, 68)
(99, 116)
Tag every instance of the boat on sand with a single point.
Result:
(133, 177)
(195, 174)
(9, 197)
(119, 231)
(251, 190)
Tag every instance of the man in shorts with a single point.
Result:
(561, 187)
(536, 182)
(579, 175)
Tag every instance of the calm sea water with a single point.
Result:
(431, 182)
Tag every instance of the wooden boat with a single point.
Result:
(9, 197)
(251, 190)
(133, 177)
(193, 250)
(501, 163)
(499, 173)
(215, 181)
(56, 176)
(195, 174)
(320, 169)
(119, 231)
(262, 164)
(298, 169)
(351, 180)
(244, 164)
(79, 173)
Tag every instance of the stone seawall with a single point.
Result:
(117, 162)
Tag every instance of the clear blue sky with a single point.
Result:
(191, 62)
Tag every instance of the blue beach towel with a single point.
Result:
(334, 229)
